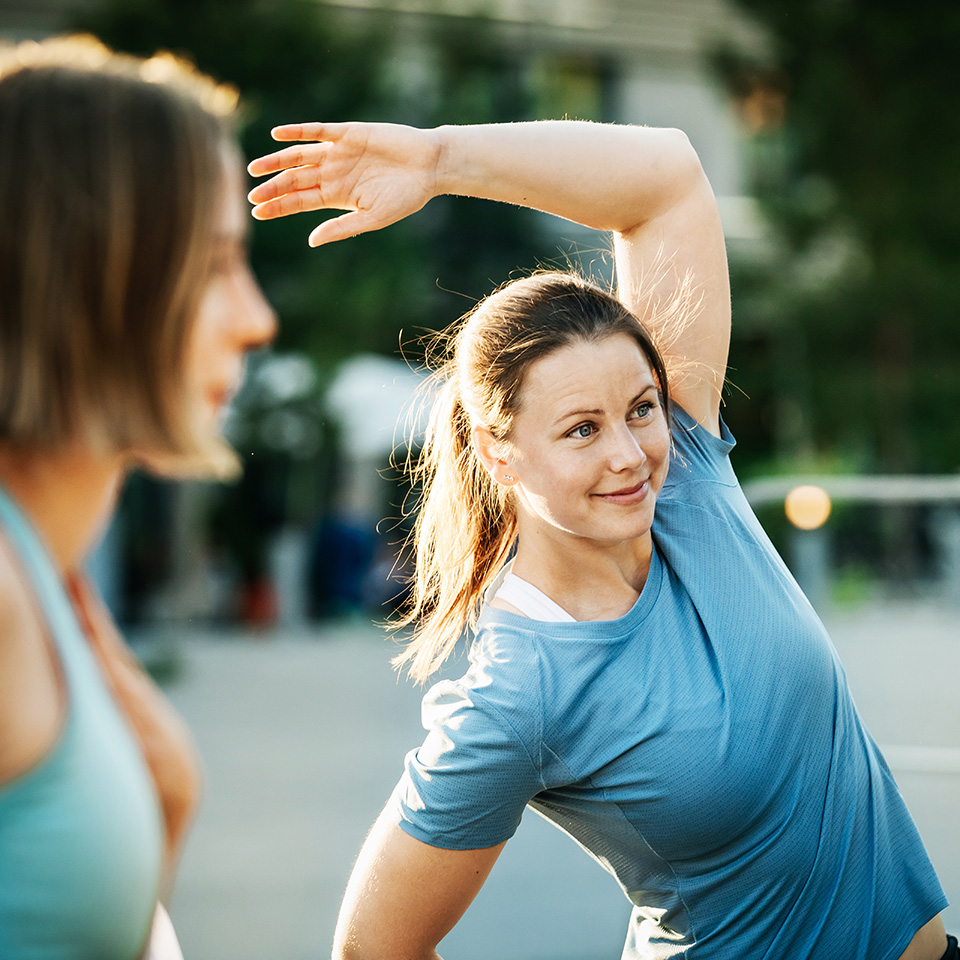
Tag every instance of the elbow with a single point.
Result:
(684, 158)
(670, 178)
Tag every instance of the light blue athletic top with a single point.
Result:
(704, 748)
(80, 833)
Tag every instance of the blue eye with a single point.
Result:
(642, 410)
(583, 432)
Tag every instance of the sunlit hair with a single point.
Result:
(467, 523)
(111, 176)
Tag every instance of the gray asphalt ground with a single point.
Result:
(303, 733)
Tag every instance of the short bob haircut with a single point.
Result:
(111, 173)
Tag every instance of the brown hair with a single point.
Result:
(467, 523)
(111, 171)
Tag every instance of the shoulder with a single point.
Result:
(506, 644)
(500, 688)
(16, 620)
(467, 784)
(539, 676)
(31, 695)
(698, 454)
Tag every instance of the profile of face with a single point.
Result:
(234, 317)
(589, 447)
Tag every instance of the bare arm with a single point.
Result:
(405, 896)
(643, 184)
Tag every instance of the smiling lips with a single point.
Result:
(628, 495)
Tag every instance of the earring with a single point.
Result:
(507, 478)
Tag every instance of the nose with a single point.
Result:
(625, 451)
(256, 321)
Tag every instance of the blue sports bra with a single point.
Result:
(80, 833)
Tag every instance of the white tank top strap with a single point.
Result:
(526, 598)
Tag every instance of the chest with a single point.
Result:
(708, 722)
(80, 833)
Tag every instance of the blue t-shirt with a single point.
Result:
(704, 748)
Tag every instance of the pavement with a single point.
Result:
(303, 733)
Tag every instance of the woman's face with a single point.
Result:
(590, 446)
(234, 317)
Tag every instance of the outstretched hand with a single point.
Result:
(378, 172)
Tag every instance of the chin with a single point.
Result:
(632, 532)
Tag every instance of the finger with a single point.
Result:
(263, 192)
(289, 203)
(308, 131)
(290, 181)
(340, 228)
(298, 156)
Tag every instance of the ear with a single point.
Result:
(493, 456)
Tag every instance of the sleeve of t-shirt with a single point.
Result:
(697, 453)
(466, 786)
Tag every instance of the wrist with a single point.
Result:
(443, 167)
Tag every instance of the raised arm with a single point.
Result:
(643, 184)
(405, 896)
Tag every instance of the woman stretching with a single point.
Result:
(644, 671)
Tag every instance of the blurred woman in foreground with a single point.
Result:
(126, 307)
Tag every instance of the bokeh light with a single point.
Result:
(808, 507)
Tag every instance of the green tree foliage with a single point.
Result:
(855, 307)
(303, 60)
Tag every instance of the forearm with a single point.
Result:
(608, 177)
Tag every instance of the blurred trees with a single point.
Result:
(848, 323)
(304, 60)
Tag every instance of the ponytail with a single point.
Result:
(463, 534)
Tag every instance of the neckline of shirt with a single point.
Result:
(616, 629)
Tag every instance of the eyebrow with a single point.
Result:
(597, 413)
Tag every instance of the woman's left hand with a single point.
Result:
(378, 172)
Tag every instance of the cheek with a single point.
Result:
(547, 468)
(559, 491)
(661, 454)
(544, 477)
(209, 327)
